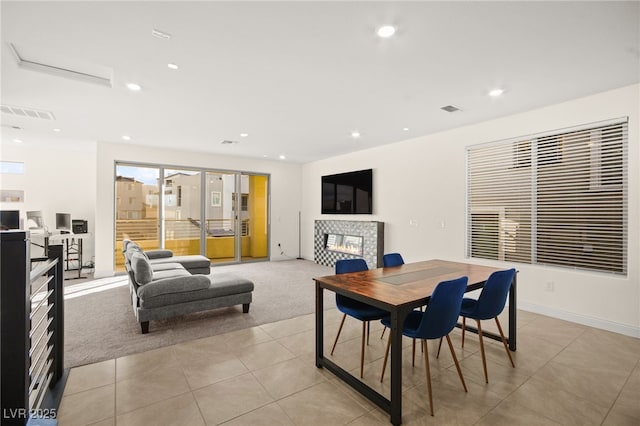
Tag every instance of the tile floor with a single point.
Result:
(566, 374)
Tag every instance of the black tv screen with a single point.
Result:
(10, 219)
(63, 222)
(348, 193)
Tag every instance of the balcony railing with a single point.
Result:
(147, 229)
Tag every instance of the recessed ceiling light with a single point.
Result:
(282, 157)
(17, 140)
(56, 130)
(355, 134)
(172, 66)
(244, 135)
(405, 129)
(134, 87)
(386, 31)
(126, 138)
(496, 92)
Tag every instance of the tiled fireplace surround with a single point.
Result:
(373, 241)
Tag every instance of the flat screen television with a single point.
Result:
(63, 222)
(9, 219)
(348, 193)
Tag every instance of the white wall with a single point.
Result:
(59, 178)
(284, 183)
(423, 180)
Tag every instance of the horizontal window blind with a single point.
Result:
(555, 199)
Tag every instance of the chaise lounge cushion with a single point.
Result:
(191, 262)
(158, 253)
(218, 286)
(174, 285)
(141, 268)
(159, 267)
(170, 273)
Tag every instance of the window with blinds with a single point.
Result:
(554, 199)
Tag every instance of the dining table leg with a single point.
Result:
(319, 325)
(513, 309)
(397, 321)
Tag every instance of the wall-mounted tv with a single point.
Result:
(9, 219)
(348, 193)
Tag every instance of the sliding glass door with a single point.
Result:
(136, 208)
(236, 217)
(221, 217)
(220, 214)
(181, 211)
(254, 216)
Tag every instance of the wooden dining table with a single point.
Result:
(398, 290)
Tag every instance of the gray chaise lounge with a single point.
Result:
(166, 289)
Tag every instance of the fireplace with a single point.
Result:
(348, 239)
(340, 243)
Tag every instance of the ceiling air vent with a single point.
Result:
(26, 112)
(450, 108)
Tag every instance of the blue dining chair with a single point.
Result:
(354, 308)
(392, 259)
(489, 305)
(437, 321)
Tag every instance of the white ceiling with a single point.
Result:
(299, 77)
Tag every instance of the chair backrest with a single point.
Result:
(392, 259)
(344, 266)
(494, 294)
(443, 309)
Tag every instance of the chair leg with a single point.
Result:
(455, 359)
(386, 356)
(464, 323)
(383, 330)
(428, 370)
(484, 359)
(439, 346)
(364, 331)
(504, 342)
(338, 335)
(413, 354)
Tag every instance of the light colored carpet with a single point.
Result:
(100, 324)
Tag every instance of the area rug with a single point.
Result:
(100, 323)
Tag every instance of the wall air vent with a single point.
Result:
(26, 112)
(450, 108)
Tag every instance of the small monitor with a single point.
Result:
(63, 222)
(9, 219)
(35, 220)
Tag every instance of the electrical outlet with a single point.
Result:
(550, 286)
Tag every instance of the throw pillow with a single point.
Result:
(141, 268)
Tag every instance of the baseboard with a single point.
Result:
(615, 327)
